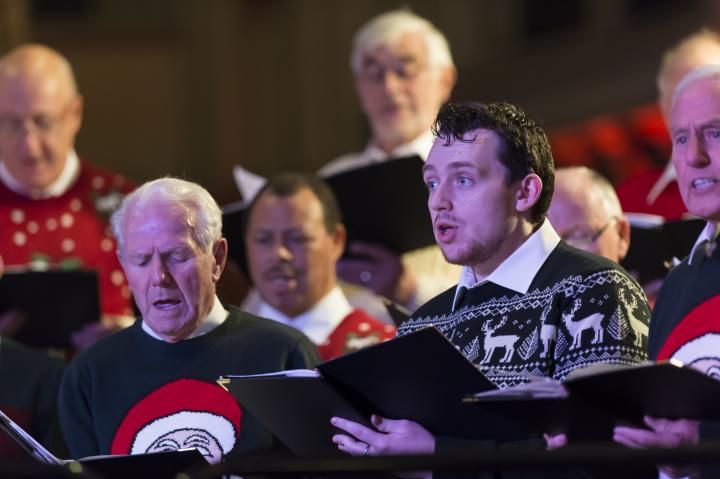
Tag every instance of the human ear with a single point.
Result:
(528, 192)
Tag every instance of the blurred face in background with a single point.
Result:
(40, 115)
(290, 252)
(400, 92)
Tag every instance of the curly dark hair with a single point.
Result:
(524, 148)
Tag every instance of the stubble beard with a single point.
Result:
(474, 253)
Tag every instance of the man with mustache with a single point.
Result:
(527, 303)
(294, 239)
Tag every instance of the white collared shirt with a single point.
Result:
(67, 178)
(668, 176)
(519, 269)
(318, 322)
(372, 154)
(709, 233)
(218, 314)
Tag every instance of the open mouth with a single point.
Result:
(701, 184)
(166, 304)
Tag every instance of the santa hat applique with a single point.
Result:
(685, 338)
(178, 405)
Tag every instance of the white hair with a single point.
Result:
(683, 48)
(701, 73)
(204, 215)
(388, 27)
(601, 185)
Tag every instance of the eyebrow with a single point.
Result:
(714, 123)
(462, 164)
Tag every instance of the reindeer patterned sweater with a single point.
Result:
(578, 309)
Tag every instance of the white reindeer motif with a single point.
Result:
(576, 328)
(636, 325)
(491, 342)
(548, 332)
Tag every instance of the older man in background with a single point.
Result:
(403, 72)
(54, 207)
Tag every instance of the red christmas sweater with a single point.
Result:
(71, 228)
(356, 331)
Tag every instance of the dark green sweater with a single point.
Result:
(129, 380)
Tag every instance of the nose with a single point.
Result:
(283, 252)
(391, 81)
(439, 199)
(159, 274)
(697, 156)
(29, 140)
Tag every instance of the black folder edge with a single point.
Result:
(381, 379)
(596, 403)
(57, 303)
(165, 464)
(655, 243)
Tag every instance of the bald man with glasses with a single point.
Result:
(54, 207)
(586, 213)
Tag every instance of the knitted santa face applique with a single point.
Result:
(182, 414)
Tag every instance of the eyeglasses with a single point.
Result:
(41, 124)
(404, 69)
(582, 239)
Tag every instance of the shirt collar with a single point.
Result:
(218, 314)
(668, 176)
(519, 269)
(709, 234)
(319, 321)
(67, 178)
(420, 146)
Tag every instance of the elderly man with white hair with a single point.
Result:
(685, 320)
(162, 370)
(403, 72)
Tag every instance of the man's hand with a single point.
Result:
(378, 269)
(662, 433)
(556, 441)
(391, 437)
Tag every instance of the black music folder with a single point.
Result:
(594, 399)
(385, 203)
(421, 377)
(55, 303)
(166, 464)
(654, 243)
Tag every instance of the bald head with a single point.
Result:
(38, 63)
(586, 213)
(697, 50)
(40, 115)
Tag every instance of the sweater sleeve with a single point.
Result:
(304, 356)
(603, 318)
(76, 418)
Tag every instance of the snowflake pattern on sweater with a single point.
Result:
(580, 309)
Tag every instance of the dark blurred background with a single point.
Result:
(193, 87)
